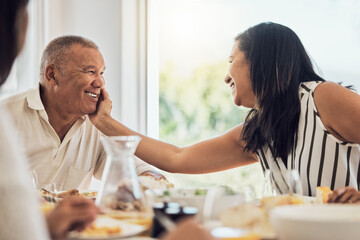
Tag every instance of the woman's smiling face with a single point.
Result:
(238, 78)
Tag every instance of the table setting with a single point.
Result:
(226, 214)
(142, 208)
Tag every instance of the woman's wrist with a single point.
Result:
(104, 124)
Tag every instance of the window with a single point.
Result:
(194, 41)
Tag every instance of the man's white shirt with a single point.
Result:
(70, 163)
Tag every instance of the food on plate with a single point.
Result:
(46, 207)
(68, 193)
(273, 201)
(71, 192)
(95, 230)
(148, 182)
(91, 195)
(322, 194)
(54, 197)
(105, 227)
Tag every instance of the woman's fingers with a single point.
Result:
(103, 109)
(105, 94)
(354, 199)
(344, 195)
(335, 194)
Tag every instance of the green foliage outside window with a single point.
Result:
(200, 107)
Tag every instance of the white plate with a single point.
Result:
(128, 229)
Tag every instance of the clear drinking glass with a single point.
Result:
(120, 195)
(268, 189)
(295, 183)
(217, 200)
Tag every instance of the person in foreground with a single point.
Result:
(298, 121)
(20, 216)
(71, 76)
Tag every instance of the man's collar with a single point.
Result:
(34, 100)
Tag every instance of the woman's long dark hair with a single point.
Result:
(278, 64)
(8, 35)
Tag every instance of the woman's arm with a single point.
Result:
(216, 154)
(339, 110)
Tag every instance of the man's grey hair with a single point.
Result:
(57, 51)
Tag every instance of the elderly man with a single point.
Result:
(62, 145)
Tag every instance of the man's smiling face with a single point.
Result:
(80, 81)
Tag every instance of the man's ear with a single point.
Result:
(50, 74)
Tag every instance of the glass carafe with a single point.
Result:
(121, 195)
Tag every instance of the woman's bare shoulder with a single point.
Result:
(339, 109)
(329, 95)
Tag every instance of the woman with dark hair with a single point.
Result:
(297, 121)
(20, 217)
(13, 25)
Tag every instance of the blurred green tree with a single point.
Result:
(199, 107)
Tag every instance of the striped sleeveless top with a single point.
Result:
(319, 157)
